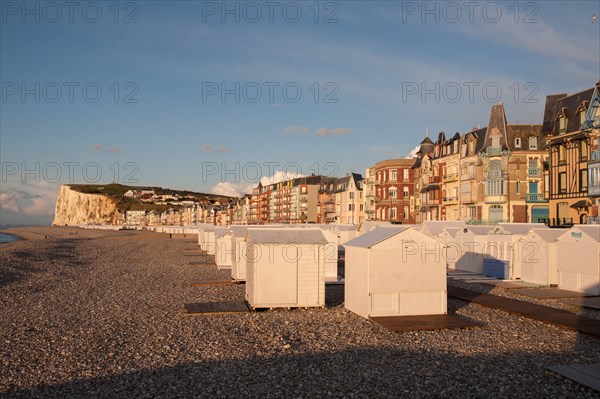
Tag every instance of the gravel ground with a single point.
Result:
(102, 318)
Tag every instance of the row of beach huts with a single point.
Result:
(395, 269)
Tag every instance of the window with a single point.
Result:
(583, 180)
(393, 212)
(405, 176)
(351, 194)
(455, 145)
(472, 147)
(562, 182)
(495, 182)
(562, 154)
(405, 213)
(518, 142)
(518, 187)
(361, 207)
(405, 190)
(581, 116)
(533, 143)
(562, 124)
(393, 174)
(393, 192)
(583, 150)
(350, 207)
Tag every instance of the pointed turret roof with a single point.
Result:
(496, 128)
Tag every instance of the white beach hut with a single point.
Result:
(467, 255)
(223, 247)
(285, 268)
(238, 247)
(395, 271)
(501, 248)
(238, 258)
(578, 253)
(537, 256)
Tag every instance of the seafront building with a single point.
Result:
(503, 172)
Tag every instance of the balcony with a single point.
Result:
(535, 197)
(534, 172)
(450, 200)
(468, 198)
(495, 199)
(595, 156)
(434, 179)
(493, 151)
(450, 177)
(594, 191)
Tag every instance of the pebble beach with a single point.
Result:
(99, 314)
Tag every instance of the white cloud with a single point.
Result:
(231, 189)
(338, 131)
(295, 129)
(241, 189)
(413, 152)
(278, 176)
(29, 199)
(221, 149)
(100, 148)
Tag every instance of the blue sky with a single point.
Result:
(372, 76)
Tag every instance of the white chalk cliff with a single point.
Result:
(74, 208)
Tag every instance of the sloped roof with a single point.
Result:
(285, 236)
(435, 227)
(567, 104)
(369, 225)
(496, 126)
(548, 235)
(368, 239)
(521, 228)
(452, 230)
(480, 230)
(592, 230)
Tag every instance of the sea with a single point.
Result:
(4, 238)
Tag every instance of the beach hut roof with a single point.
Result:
(452, 230)
(286, 236)
(521, 228)
(435, 227)
(239, 231)
(479, 230)
(548, 235)
(376, 236)
(221, 232)
(592, 230)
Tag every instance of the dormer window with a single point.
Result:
(518, 142)
(533, 143)
(581, 116)
(562, 124)
(472, 147)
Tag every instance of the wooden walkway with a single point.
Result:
(593, 303)
(584, 374)
(426, 322)
(552, 293)
(215, 308)
(556, 317)
(204, 283)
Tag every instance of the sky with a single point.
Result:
(215, 96)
